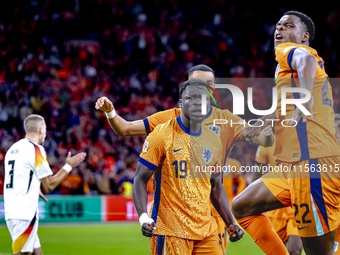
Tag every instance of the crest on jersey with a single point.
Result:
(207, 155)
(145, 146)
(216, 129)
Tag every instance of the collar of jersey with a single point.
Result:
(178, 118)
(30, 141)
(209, 113)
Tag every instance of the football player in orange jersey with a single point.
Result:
(337, 136)
(228, 135)
(309, 154)
(181, 221)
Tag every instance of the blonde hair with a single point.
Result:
(32, 123)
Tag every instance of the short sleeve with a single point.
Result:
(159, 118)
(261, 157)
(42, 168)
(153, 150)
(284, 53)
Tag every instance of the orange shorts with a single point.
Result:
(171, 245)
(221, 233)
(283, 222)
(312, 188)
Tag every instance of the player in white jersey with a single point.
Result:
(26, 167)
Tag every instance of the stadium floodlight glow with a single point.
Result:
(238, 100)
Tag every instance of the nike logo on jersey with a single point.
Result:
(178, 149)
(302, 227)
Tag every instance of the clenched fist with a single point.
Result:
(104, 104)
(235, 232)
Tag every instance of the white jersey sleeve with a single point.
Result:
(25, 165)
(42, 168)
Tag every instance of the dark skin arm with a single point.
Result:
(304, 64)
(127, 128)
(219, 199)
(258, 174)
(117, 123)
(140, 195)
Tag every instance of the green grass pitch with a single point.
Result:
(111, 238)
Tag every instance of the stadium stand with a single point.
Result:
(58, 57)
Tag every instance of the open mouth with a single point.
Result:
(278, 37)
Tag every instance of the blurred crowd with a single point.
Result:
(57, 57)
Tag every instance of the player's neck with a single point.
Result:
(191, 125)
(33, 137)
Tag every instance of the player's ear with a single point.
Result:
(180, 103)
(305, 37)
(40, 130)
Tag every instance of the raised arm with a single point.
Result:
(117, 123)
(140, 198)
(51, 182)
(219, 199)
(303, 62)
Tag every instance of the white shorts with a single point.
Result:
(24, 234)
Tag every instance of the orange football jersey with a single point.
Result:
(229, 133)
(182, 194)
(316, 137)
